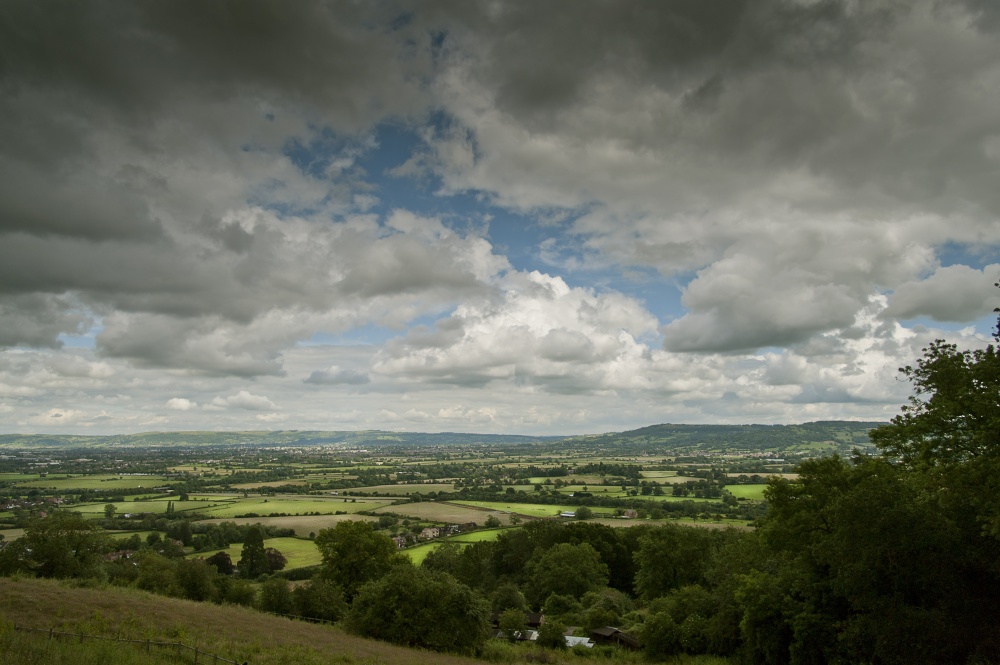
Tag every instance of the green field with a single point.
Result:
(96, 482)
(529, 509)
(302, 524)
(300, 553)
(403, 490)
(755, 492)
(419, 552)
(264, 506)
(433, 511)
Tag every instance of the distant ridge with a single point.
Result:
(838, 434)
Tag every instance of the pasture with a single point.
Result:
(291, 506)
(444, 512)
(528, 509)
(302, 524)
(403, 490)
(754, 492)
(300, 553)
(101, 482)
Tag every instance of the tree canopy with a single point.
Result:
(354, 553)
(418, 607)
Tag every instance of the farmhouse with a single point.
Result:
(614, 636)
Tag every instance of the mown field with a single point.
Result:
(302, 524)
(94, 482)
(418, 553)
(403, 490)
(754, 492)
(450, 512)
(299, 552)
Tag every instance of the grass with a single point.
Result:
(403, 490)
(291, 506)
(443, 512)
(300, 553)
(302, 524)
(158, 507)
(419, 553)
(755, 492)
(529, 509)
(96, 482)
(235, 633)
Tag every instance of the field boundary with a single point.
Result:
(179, 646)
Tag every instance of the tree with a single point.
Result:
(584, 513)
(417, 607)
(275, 560)
(109, 511)
(671, 556)
(493, 522)
(276, 596)
(566, 569)
(354, 553)
(223, 563)
(512, 624)
(64, 544)
(319, 599)
(551, 635)
(253, 557)
(661, 637)
(195, 579)
(507, 596)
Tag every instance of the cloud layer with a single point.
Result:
(488, 215)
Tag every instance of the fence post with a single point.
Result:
(196, 655)
(147, 646)
(50, 633)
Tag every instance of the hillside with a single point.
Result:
(230, 632)
(822, 436)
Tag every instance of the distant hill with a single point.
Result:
(817, 437)
(284, 438)
(822, 436)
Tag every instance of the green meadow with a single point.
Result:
(299, 552)
(755, 492)
(95, 482)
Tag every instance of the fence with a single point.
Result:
(212, 658)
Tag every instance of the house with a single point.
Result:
(430, 532)
(614, 636)
(400, 541)
(630, 514)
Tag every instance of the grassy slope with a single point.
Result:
(231, 632)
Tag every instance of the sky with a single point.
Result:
(503, 217)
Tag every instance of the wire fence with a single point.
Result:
(206, 657)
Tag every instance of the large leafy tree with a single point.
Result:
(418, 607)
(64, 544)
(565, 569)
(892, 559)
(253, 557)
(354, 553)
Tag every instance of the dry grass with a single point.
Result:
(231, 632)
